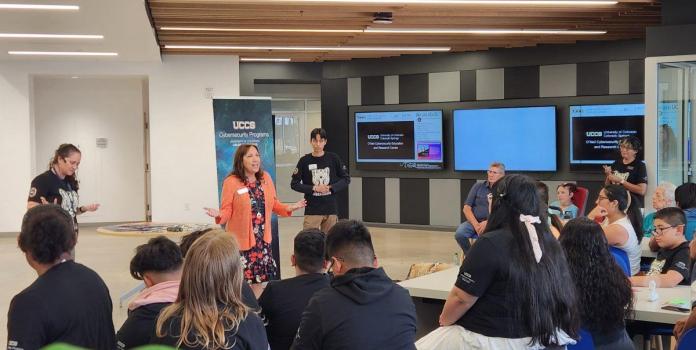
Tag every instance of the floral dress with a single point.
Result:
(259, 265)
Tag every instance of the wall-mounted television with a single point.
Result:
(522, 138)
(399, 140)
(595, 131)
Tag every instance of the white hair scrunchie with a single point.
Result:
(533, 237)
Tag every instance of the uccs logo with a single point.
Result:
(373, 137)
(593, 134)
(244, 125)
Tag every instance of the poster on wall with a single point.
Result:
(245, 121)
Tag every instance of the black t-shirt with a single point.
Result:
(676, 259)
(484, 274)
(52, 188)
(325, 170)
(69, 303)
(139, 326)
(282, 303)
(633, 172)
(250, 335)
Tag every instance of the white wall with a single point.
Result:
(181, 129)
(81, 110)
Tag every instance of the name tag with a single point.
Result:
(242, 190)
(312, 167)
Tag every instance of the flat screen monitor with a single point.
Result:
(399, 140)
(522, 138)
(595, 131)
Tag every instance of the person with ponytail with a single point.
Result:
(59, 185)
(621, 221)
(512, 289)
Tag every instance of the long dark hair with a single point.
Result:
(541, 302)
(238, 163)
(64, 151)
(543, 191)
(627, 204)
(604, 292)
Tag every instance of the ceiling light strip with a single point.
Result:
(483, 31)
(466, 2)
(291, 30)
(50, 36)
(62, 53)
(310, 48)
(38, 7)
(258, 59)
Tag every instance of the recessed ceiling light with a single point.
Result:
(257, 59)
(38, 7)
(310, 48)
(75, 77)
(466, 2)
(207, 29)
(50, 36)
(62, 53)
(483, 31)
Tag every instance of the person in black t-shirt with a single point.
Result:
(629, 171)
(59, 185)
(515, 264)
(363, 308)
(320, 175)
(282, 302)
(210, 300)
(158, 264)
(68, 302)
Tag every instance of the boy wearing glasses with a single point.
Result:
(671, 267)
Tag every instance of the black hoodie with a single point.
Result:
(363, 309)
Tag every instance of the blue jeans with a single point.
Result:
(465, 231)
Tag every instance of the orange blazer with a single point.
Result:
(235, 211)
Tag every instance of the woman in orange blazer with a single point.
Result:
(248, 200)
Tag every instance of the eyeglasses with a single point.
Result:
(494, 172)
(600, 197)
(659, 231)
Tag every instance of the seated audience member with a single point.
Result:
(604, 295)
(515, 264)
(362, 309)
(282, 302)
(685, 196)
(689, 322)
(671, 267)
(566, 209)
(622, 223)
(662, 198)
(553, 221)
(209, 312)
(476, 207)
(158, 264)
(248, 296)
(68, 303)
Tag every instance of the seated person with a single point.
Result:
(671, 267)
(209, 312)
(158, 264)
(282, 302)
(689, 322)
(68, 303)
(604, 295)
(685, 196)
(248, 296)
(564, 207)
(621, 222)
(476, 207)
(489, 305)
(363, 308)
(662, 198)
(554, 222)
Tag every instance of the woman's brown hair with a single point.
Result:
(64, 151)
(238, 163)
(209, 303)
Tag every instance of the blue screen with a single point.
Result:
(524, 139)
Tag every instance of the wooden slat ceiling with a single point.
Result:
(625, 20)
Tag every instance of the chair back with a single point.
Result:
(584, 343)
(688, 340)
(580, 199)
(621, 259)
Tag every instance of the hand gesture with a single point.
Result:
(481, 227)
(679, 328)
(212, 212)
(90, 207)
(297, 205)
(321, 188)
(607, 170)
(614, 179)
(598, 211)
(44, 201)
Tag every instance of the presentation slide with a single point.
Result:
(595, 131)
(524, 139)
(412, 139)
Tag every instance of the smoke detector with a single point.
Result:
(382, 18)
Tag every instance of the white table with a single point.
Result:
(438, 285)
